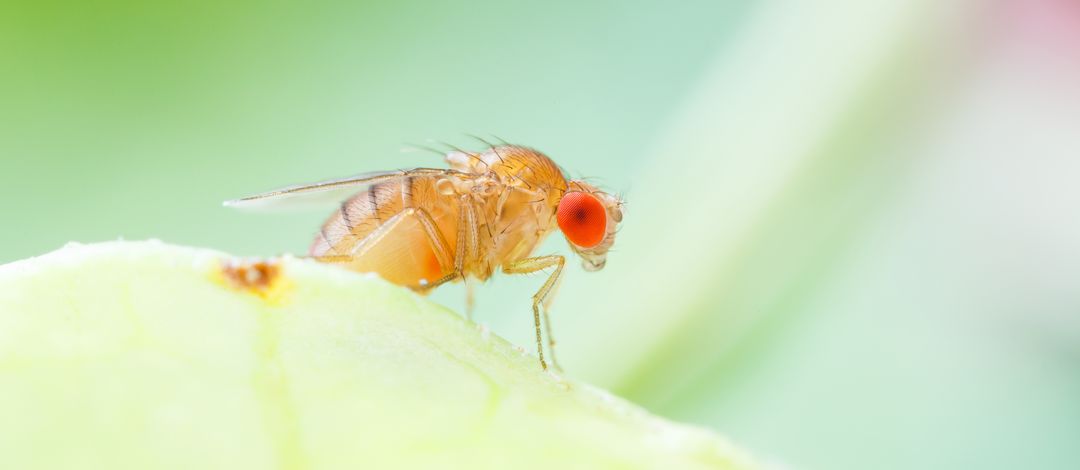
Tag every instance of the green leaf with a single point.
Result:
(140, 355)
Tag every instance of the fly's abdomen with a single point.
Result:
(374, 232)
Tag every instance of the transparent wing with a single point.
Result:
(326, 193)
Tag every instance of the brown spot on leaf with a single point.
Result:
(260, 277)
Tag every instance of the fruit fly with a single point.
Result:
(489, 211)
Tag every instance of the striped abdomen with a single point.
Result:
(368, 235)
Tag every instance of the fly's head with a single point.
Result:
(588, 219)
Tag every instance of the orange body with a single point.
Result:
(424, 227)
(509, 199)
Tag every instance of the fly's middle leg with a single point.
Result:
(531, 265)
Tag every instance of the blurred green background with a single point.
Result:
(853, 231)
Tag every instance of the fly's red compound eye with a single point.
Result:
(582, 219)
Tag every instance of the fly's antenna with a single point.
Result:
(621, 196)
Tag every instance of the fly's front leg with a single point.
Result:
(531, 265)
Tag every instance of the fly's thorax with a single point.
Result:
(516, 192)
(478, 187)
(514, 166)
(536, 183)
(506, 168)
(519, 222)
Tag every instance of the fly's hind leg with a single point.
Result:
(531, 265)
(470, 301)
(450, 261)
